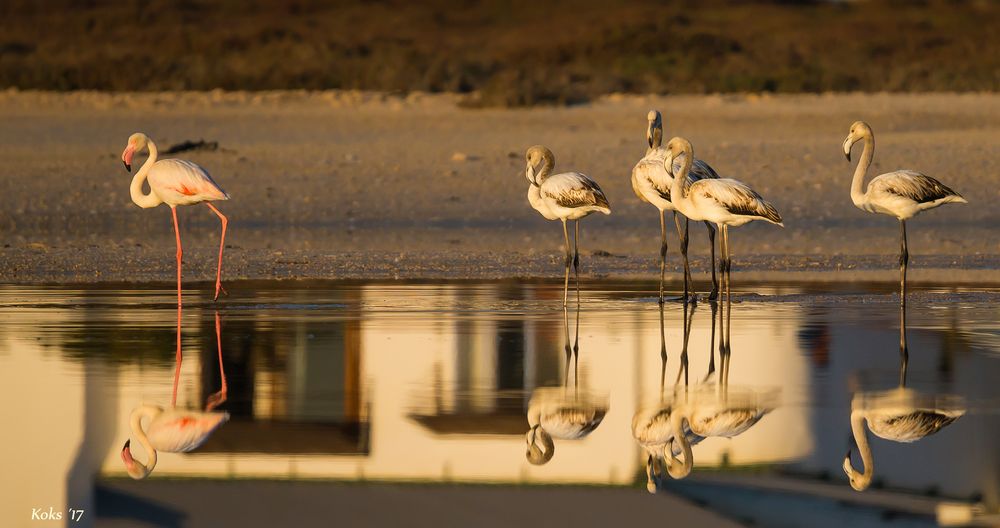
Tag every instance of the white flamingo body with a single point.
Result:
(181, 182)
(572, 196)
(726, 202)
(174, 182)
(723, 420)
(170, 431)
(905, 193)
(722, 201)
(552, 413)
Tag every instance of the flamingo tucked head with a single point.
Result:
(858, 480)
(675, 147)
(136, 143)
(135, 469)
(859, 130)
(654, 132)
(539, 163)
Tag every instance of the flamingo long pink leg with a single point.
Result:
(222, 244)
(177, 232)
(177, 359)
(220, 397)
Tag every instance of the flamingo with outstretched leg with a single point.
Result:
(174, 182)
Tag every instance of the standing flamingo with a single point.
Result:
(565, 196)
(902, 193)
(723, 201)
(651, 182)
(174, 182)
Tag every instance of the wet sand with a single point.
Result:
(358, 185)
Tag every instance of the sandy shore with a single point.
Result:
(357, 185)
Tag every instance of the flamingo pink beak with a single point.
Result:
(127, 160)
(127, 454)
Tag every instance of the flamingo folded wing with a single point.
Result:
(191, 182)
(912, 185)
(177, 432)
(573, 190)
(736, 197)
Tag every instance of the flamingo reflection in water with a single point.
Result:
(651, 423)
(563, 412)
(900, 415)
(713, 409)
(173, 430)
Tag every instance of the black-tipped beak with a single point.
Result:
(848, 455)
(848, 156)
(127, 166)
(127, 443)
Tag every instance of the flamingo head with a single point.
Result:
(858, 480)
(136, 142)
(135, 469)
(678, 146)
(859, 130)
(537, 157)
(535, 455)
(655, 124)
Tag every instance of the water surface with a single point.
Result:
(435, 382)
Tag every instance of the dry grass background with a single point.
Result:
(500, 52)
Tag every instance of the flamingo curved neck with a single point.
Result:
(135, 421)
(546, 169)
(857, 192)
(145, 201)
(862, 480)
(675, 469)
(655, 136)
(535, 455)
(677, 194)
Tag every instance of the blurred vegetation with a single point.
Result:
(506, 53)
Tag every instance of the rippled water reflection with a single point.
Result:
(494, 382)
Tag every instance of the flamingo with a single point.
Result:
(565, 196)
(899, 415)
(903, 193)
(173, 430)
(651, 182)
(554, 412)
(174, 182)
(722, 201)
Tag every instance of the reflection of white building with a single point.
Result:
(434, 391)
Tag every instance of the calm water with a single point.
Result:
(437, 382)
